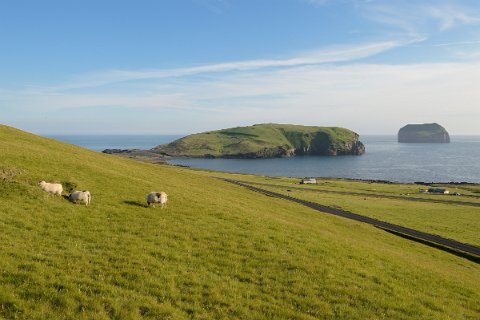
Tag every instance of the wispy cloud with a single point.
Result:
(419, 17)
(329, 86)
(450, 16)
(322, 56)
(369, 98)
(457, 44)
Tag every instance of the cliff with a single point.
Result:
(266, 141)
(423, 133)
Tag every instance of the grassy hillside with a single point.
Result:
(266, 140)
(217, 252)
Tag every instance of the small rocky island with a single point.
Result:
(266, 141)
(423, 133)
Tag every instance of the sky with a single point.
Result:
(186, 66)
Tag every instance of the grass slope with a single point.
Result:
(461, 223)
(454, 221)
(257, 138)
(217, 252)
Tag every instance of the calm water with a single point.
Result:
(385, 159)
(102, 142)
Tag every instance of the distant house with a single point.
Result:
(308, 181)
(438, 190)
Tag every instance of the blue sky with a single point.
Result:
(184, 66)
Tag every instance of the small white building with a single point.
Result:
(308, 181)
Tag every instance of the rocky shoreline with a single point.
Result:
(138, 154)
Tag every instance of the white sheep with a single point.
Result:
(54, 188)
(80, 196)
(157, 197)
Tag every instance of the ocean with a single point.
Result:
(385, 159)
(102, 142)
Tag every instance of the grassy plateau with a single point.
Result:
(264, 141)
(218, 251)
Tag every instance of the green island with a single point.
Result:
(266, 141)
(423, 133)
(218, 251)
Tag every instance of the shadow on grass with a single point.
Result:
(135, 203)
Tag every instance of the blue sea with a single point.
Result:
(385, 159)
(102, 142)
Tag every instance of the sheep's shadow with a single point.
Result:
(135, 203)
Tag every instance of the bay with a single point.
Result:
(385, 159)
(102, 142)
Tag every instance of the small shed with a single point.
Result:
(308, 181)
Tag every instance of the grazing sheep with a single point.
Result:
(163, 199)
(80, 196)
(157, 197)
(54, 188)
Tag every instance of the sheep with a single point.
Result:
(54, 188)
(157, 197)
(163, 199)
(80, 196)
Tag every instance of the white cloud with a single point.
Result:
(468, 55)
(331, 55)
(368, 98)
(419, 17)
(450, 16)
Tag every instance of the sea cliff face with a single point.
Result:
(423, 133)
(266, 141)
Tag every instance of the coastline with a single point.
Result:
(386, 160)
(156, 158)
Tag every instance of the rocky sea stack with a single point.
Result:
(266, 141)
(423, 133)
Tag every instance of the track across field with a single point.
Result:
(364, 194)
(449, 243)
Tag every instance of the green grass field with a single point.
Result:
(218, 251)
(458, 222)
(345, 185)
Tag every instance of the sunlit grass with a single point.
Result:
(218, 251)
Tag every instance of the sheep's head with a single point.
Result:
(41, 183)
